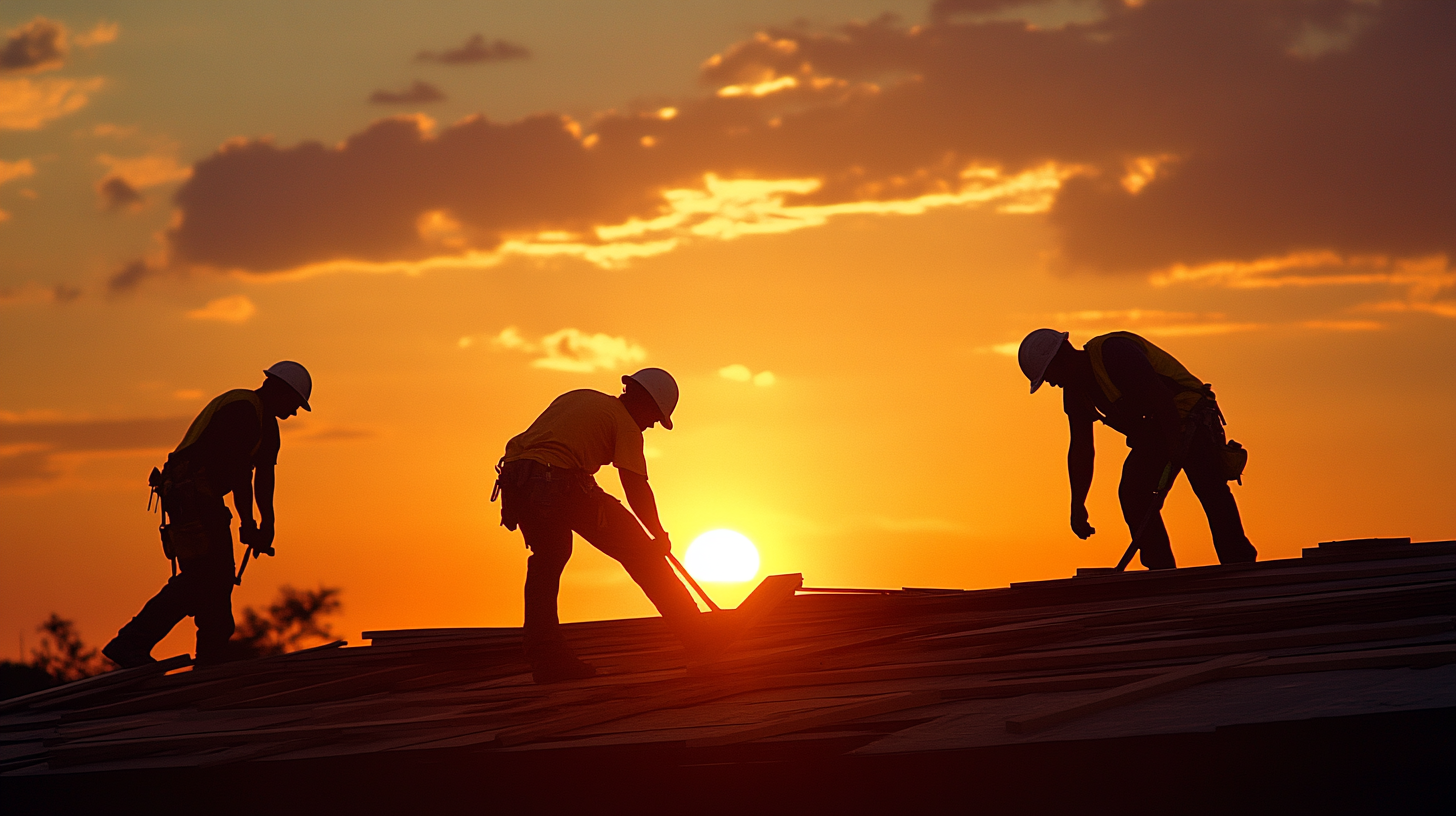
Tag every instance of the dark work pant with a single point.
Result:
(1140, 474)
(549, 513)
(201, 589)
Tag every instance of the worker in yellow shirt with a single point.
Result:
(548, 490)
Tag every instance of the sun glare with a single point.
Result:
(723, 556)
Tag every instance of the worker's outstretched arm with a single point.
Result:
(1080, 456)
(644, 504)
(263, 490)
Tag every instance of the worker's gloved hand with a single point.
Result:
(664, 544)
(1079, 522)
(264, 542)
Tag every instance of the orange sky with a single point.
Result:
(872, 213)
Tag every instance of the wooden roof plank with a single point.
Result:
(899, 701)
(1162, 683)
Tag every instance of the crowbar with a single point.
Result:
(694, 584)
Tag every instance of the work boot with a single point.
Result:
(556, 667)
(126, 655)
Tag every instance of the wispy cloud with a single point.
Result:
(27, 104)
(32, 449)
(569, 349)
(230, 309)
(9, 171)
(127, 176)
(737, 372)
(419, 93)
(33, 293)
(476, 50)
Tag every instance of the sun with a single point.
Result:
(722, 556)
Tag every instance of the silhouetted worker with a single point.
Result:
(547, 488)
(231, 447)
(1167, 414)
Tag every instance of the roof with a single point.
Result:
(852, 678)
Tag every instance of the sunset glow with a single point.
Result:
(722, 556)
(832, 222)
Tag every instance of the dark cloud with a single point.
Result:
(417, 94)
(117, 194)
(128, 277)
(476, 50)
(27, 466)
(104, 435)
(65, 293)
(1200, 131)
(36, 46)
(35, 443)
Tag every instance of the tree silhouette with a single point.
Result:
(289, 623)
(62, 654)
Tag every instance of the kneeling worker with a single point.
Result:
(231, 447)
(547, 488)
(1170, 420)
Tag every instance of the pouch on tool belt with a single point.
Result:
(1235, 458)
(187, 541)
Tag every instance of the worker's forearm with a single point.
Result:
(263, 490)
(644, 504)
(1080, 459)
(243, 503)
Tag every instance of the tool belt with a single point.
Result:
(186, 506)
(527, 481)
(1232, 456)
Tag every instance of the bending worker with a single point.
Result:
(547, 488)
(1170, 420)
(231, 447)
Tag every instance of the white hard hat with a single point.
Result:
(661, 386)
(1036, 353)
(296, 376)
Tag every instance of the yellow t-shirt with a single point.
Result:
(582, 429)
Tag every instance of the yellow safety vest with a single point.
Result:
(1190, 388)
(199, 425)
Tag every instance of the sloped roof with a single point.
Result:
(1351, 628)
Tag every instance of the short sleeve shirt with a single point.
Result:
(583, 430)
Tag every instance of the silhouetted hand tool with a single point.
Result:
(692, 583)
(1159, 496)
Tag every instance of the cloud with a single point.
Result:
(39, 45)
(127, 176)
(1155, 136)
(103, 33)
(737, 372)
(28, 448)
(129, 277)
(419, 93)
(148, 170)
(32, 451)
(570, 350)
(1343, 325)
(58, 293)
(116, 194)
(9, 171)
(230, 309)
(476, 50)
(27, 104)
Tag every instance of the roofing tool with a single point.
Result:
(692, 583)
(248, 555)
(1160, 494)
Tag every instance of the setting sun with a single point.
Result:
(722, 555)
